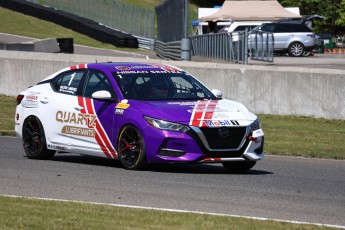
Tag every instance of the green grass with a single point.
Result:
(8, 108)
(284, 135)
(23, 25)
(23, 213)
(304, 136)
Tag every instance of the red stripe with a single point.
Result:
(198, 111)
(212, 159)
(103, 136)
(210, 110)
(97, 137)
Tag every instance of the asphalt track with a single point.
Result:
(296, 189)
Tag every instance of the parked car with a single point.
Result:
(138, 113)
(292, 38)
(241, 26)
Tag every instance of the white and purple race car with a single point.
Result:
(138, 113)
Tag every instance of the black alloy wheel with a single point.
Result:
(34, 141)
(131, 148)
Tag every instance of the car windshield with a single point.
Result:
(161, 86)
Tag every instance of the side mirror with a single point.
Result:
(217, 93)
(102, 94)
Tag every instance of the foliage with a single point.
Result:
(332, 10)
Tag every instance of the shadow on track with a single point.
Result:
(184, 168)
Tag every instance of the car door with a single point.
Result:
(63, 121)
(282, 36)
(99, 113)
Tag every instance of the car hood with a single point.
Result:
(197, 113)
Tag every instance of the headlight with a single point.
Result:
(165, 125)
(256, 125)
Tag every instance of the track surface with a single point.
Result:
(297, 189)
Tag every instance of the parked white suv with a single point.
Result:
(294, 39)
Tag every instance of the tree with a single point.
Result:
(332, 10)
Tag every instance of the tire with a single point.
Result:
(238, 166)
(296, 49)
(34, 141)
(131, 148)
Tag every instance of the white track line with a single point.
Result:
(181, 211)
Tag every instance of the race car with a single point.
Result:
(138, 113)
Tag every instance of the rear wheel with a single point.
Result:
(238, 166)
(131, 148)
(34, 141)
(296, 49)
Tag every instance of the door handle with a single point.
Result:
(44, 100)
(78, 108)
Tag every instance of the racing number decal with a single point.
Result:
(100, 136)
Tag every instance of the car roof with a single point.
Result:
(134, 66)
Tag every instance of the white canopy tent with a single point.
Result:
(252, 10)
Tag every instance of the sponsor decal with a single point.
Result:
(170, 69)
(55, 147)
(119, 111)
(220, 123)
(122, 68)
(132, 71)
(78, 131)
(76, 118)
(30, 101)
(29, 104)
(67, 89)
(31, 97)
(183, 103)
(122, 106)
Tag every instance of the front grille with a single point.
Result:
(224, 137)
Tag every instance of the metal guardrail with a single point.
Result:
(224, 46)
(235, 47)
(261, 46)
(111, 13)
(168, 50)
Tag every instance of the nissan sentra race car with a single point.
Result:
(138, 113)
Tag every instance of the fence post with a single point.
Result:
(186, 49)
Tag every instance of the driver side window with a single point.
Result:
(97, 81)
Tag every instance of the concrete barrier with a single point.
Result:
(263, 89)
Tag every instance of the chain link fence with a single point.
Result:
(111, 13)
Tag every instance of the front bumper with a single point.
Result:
(195, 146)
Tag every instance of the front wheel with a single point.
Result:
(131, 148)
(296, 49)
(238, 166)
(34, 140)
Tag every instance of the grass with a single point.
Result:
(8, 108)
(284, 135)
(24, 213)
(304, 136)
(24, 25)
